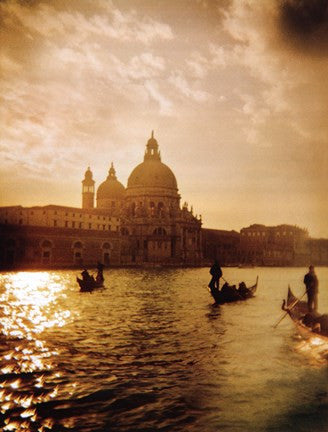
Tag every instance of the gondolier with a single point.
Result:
(311, 282)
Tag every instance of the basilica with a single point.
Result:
(140, 224)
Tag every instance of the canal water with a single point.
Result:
(150, 352)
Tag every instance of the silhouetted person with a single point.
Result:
(86, 276)
(216, 273)
(243, 290)
(100, 276)
(311, 283)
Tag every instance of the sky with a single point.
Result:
(236, 92)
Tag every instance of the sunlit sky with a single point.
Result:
(236, 92)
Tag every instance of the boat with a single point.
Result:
(89, 285)
(308, 325)
(229, 293)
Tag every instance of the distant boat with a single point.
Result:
(298, 310)
(90, 284)
(229, 294)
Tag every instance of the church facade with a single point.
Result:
(140, 224)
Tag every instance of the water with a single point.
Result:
(150, 353)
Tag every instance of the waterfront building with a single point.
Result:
(142, 224)
(273, 245)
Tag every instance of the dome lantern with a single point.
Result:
(152, 152)
(111, 173)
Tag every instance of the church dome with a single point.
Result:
(152, 172)
(111, 188)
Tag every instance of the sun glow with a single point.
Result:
(30, 303)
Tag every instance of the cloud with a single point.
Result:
(180, 83)
(304, 24)
(165, 105)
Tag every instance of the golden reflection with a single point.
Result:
(315, 348)
(30, 303)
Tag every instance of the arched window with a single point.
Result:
(152, 208)
(159, 231)
(46, 244)
(160, 209)
(78, 252)
(46, 253)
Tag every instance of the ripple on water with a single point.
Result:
(149, 352)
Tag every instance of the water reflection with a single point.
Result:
(29, 305)
(150, 352)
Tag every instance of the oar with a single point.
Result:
(289, 309)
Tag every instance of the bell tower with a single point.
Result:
(88, 190)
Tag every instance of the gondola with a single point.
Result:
(229, 294)
(90, 285)
(298, 312)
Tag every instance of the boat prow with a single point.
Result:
(298, 312)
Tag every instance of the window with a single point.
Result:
(159, 231)
(109, 227)
(80, 224)
(78, 245)
(90, 225)
(55, 223)
(66, 224)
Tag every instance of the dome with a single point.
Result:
(152, 172)
(111, 188)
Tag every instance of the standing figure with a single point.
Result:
(311, 283)
(216, 273)
(100, 276)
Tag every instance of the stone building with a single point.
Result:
(221, 245)
(142, 224)
(277, 245)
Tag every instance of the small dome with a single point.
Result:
(111, 188)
